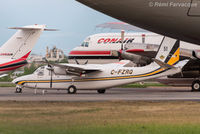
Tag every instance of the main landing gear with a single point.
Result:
(71, 89)
(196, 85)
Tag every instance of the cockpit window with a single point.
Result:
(82, 44)
(40, 71)
(85, 44)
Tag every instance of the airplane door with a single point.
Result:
(40, 76)
(194, 8)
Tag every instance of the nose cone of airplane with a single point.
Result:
(19, 79)
(15, 81)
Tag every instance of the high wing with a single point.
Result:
(151, 50)
(76, 69)
(145, 55)
(31, 28)
(120, 26)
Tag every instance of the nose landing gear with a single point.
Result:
(18, 90)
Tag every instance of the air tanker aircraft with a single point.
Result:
(99, 46)
(14, 52)
(100, 77)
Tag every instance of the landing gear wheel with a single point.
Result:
(196, 85)
(18, 90)
(101, 91)
(71, 90)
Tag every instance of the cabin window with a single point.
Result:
(86, 44)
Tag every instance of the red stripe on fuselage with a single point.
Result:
(100, 52)
(89, 53)
(12, 62)
(23, 58)
(135, 50)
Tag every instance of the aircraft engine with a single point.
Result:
(137, 59)
(196, 54)
(59, 71)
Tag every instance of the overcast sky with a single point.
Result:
(74, 20)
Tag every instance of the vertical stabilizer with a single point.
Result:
(22, 42)
(169, 51)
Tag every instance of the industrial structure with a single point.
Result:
(54, 54)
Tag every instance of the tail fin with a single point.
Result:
(22, 42)
(169, 51)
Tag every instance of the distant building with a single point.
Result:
(54, 54)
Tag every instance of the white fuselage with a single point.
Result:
(99, 46)
(111, 75)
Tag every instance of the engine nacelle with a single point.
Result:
(59, 71)
(196, 54)
(137, 59)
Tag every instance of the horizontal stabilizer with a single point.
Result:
(33, 27)
(162, 64)
(22, 42)
(3, 75)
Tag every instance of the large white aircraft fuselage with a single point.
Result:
(97, 48)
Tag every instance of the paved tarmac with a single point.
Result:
(114, 94)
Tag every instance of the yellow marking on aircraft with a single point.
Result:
(175, 57)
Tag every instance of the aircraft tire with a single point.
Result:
(196, 85)
(101, 91)
(71, 90)
(18, 90)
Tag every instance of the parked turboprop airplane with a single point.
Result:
(101, 77)
(14, 52)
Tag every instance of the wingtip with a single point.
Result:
(47, 29)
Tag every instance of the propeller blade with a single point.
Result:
(51, 71)
(51, 79)
(122, 39)
(76, 61)
(47, 62)
(86, 62)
